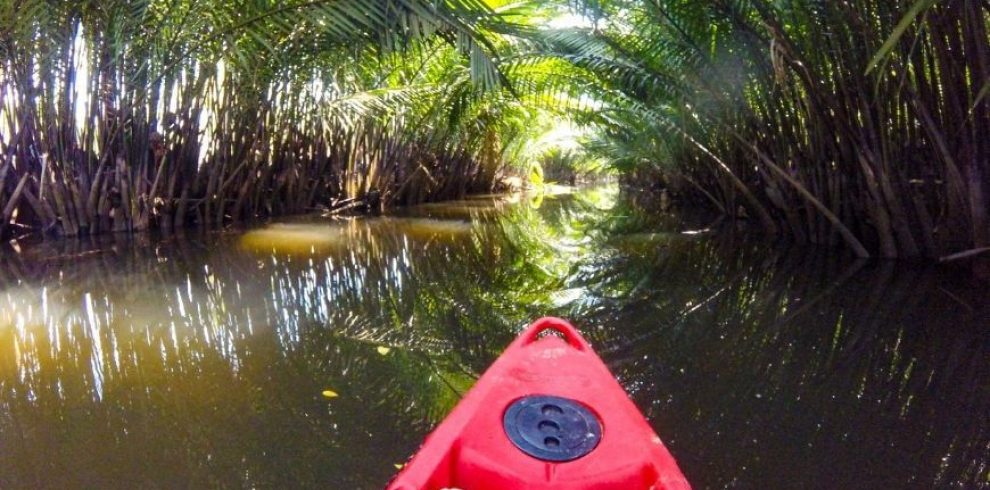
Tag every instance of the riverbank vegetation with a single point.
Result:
(860, 123)
(130, 115)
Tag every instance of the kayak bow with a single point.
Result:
(547, 414)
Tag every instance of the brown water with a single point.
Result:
(318, 352)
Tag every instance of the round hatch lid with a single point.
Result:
(552, 428)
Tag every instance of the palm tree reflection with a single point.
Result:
(200, 360)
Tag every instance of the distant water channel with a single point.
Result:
(318, 352)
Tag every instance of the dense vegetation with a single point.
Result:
(130, 114)
(863, 122)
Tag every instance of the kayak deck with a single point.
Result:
(546, 414)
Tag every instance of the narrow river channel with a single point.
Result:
(318, 352)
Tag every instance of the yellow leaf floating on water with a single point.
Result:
(330, 394)
(383, 350)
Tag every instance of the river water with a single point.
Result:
(318, 352)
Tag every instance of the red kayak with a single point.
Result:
(547, 414)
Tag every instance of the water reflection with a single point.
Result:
(201, 360)
(196, 362)
(797, 369)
